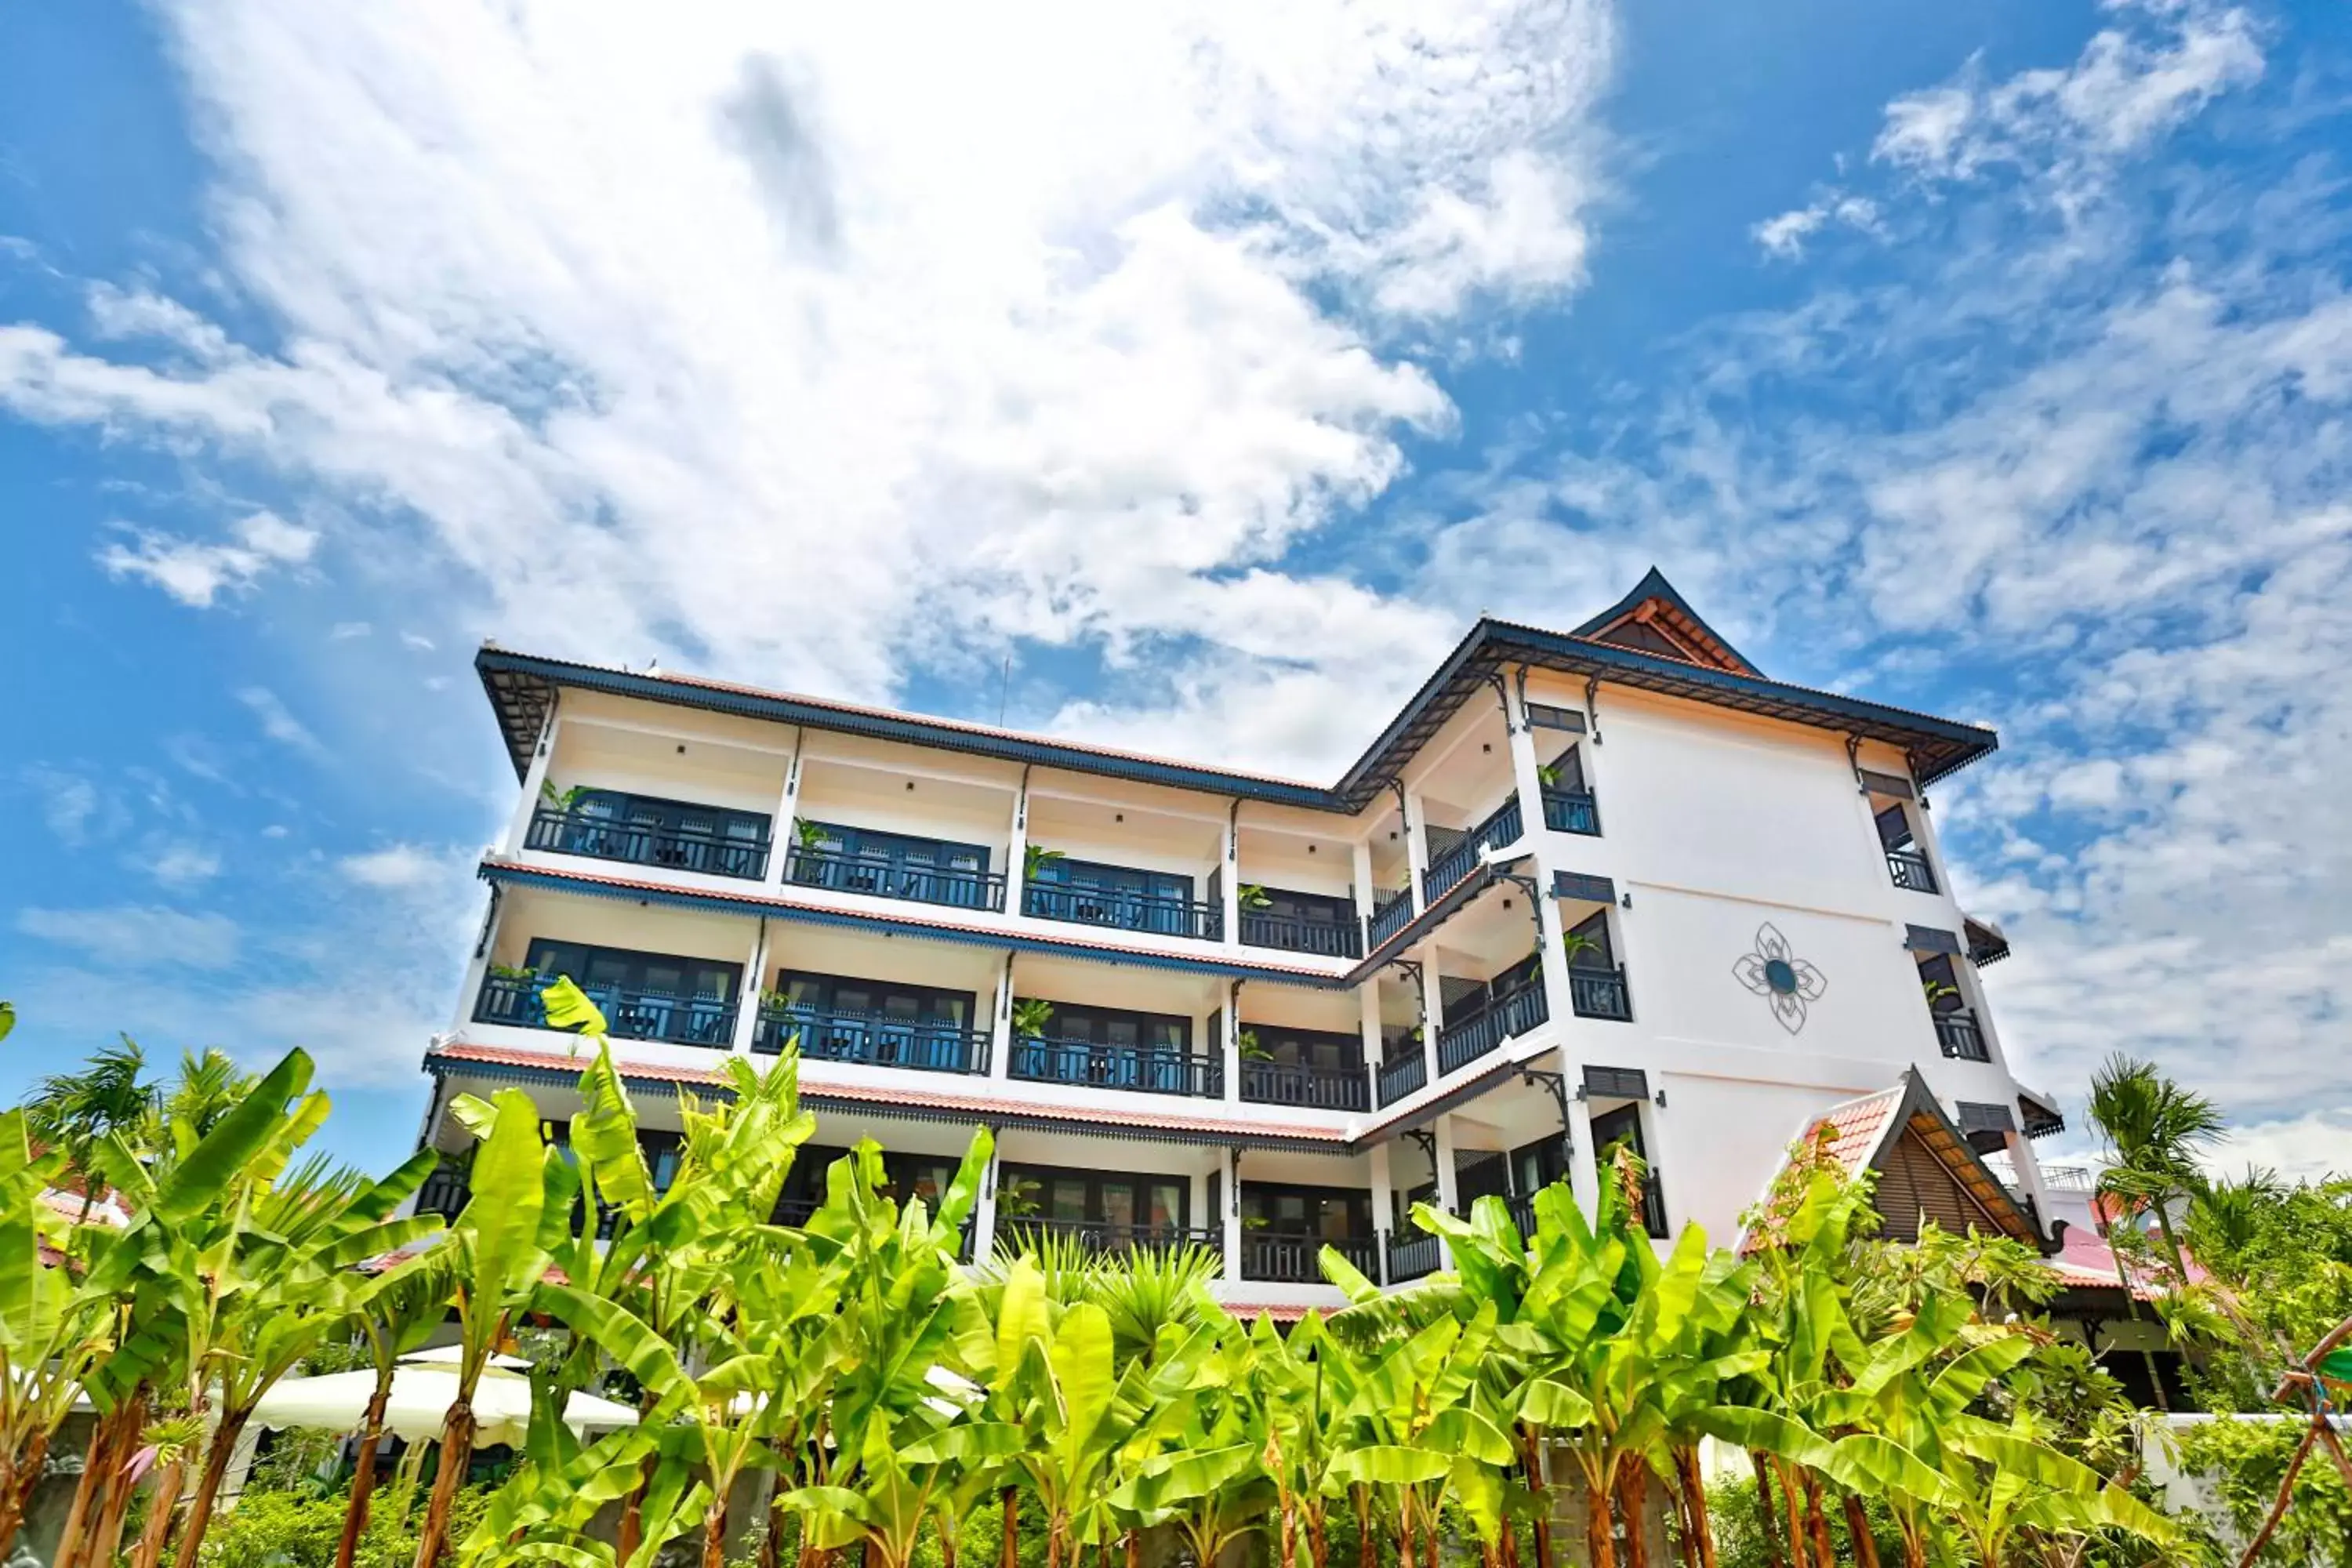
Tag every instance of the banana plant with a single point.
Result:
(394, 1322)
(50, 1334)
(520, 1213)
(1426, 1437)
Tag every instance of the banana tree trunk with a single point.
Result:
(1011, 1550)
(1532, 1461)
(1793, 1497)
(217, 1455)
(1134, 1550)
(1768, 1518)
(1318, 1542)
(161, 1509)
(1857, 1525)
(355, 1512)
(1508, 1543)
(1289, 1532)
(23, 1477)
(1600, 1519)
(714, 1535)
(1817, 1523)
(1634, 1502)
(1694, 1487)
(772, 1539)
(111, 1445)
(86, 1490)
(104, 1545)
(1407, 1551)
(1368, 1551)
(456, 1458)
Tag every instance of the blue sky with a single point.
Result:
(1214, 364)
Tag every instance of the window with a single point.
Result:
(1593, 930)
(1567, 772)
(1119, 1202)
(1893, 828)
(1089, 876)
(1334, 1213)
(1309, 1048)
(618, 970)
(1116, 1027)
(1940, 984)
(655, 814)
(876, 998)
(900, 853)
(1536, 1165)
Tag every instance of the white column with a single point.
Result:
(788, 806)
(542, 756)
(984, 1213)
(1016, 862)
(1559, 996)
(486, 942)
(1583, 1175)
(2029, 1176)
(1416, 848)
(1230, 1047)
(1196, 1199)
(1232, 1217)
(1231, 882)
(999, 1026)
(1432, 1007)
(1524, 776)
(1383, 1196)
(1449, 1196)
(746, 1004)
(1367, 1001)
(1923, 829)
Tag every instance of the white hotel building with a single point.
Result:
(1600, 886)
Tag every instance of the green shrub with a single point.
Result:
(289, 1530)
(2244, 1461)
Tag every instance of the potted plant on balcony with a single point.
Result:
(560, 800)
(1030, 1016)
(1576, 947)
(1251, 1051)
(1035, 858)
(1936, 991)
(1250, 896)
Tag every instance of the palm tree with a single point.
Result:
(2156, 1133)
(77, 1113)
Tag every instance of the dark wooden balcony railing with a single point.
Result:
(1109, 1236)
(448, 1189)
(1511, 1014)
(681, 848)
(1392, 917)
(630, 1015)
(1961, 1036)
(1400, 1076)
(873, 1038)
(847, 873)
(1320, 1088)
(1147, 1069)
(1412, 1253)
(1327, 939)
(1598, 993)
(1910, 870)
(1294, 1257)
(1571, 811)
(1449, 869)
(1124, 910)
(1653, 1207)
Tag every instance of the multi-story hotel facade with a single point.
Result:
(1595, 888)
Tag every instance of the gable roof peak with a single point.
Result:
(1655, 618)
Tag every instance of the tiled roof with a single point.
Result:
(933, 1105)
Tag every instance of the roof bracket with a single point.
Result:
(1853, 761)
(1503, 695)
(1427, 1137)
(1535, 897)
(1592, 705)
(1524, 724)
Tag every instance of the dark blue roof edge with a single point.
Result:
(1938, 747)
(683, 899)
(1209, 1137)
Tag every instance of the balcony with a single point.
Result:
(1105, 1239)
(1412, 1255)
(1511, 1014)
(1400, 1076)
(873, 1040)
(1290, 933)
(1294, 1257)
(1316, 1088)
(631, 1013)
(448, 1189)
(1598, 993)
(1571, 811)
(842, 871)
(1961, 1036)
(1910, 870)
(1447, 870)
(1145, 1070)
(1392, 917)
(685, 841)
(1122, 909)
(1653, 1207)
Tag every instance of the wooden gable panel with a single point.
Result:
(1914, 1181)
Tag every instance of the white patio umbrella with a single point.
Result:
(420, 1402)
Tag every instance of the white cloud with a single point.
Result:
(195, 573)
(394, 865)
(278, 722)
(416, 641)
(68, 803)
(136, 936)
(181, 865)
(1783, 238)
(343, 631)
(2309, 1147)
(686, 339)
(2065, 126)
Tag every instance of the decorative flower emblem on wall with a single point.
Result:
(1775, 973)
